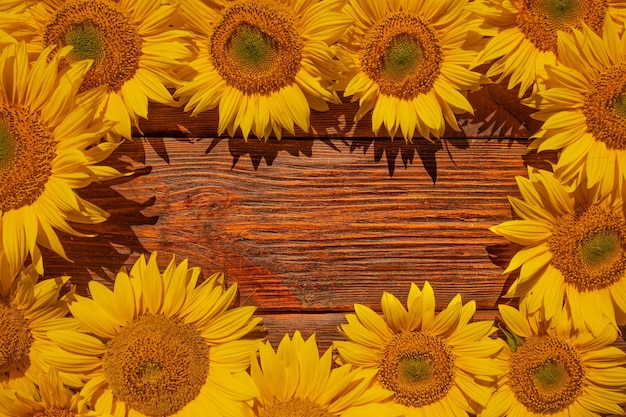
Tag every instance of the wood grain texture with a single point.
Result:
(317, 232)
(309, 226)
(497, 113)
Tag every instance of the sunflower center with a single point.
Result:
(546, 374)
(417, 367)
(53, 412)
(540, 20)
(157, 364)
(295, 407)
(255, 46)
(605, 108)
(402, 54)
(98, 30)
(253, 49)
(589, 247)
(15, 337)
(86, 38)
(27, 150)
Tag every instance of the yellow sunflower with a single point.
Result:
(584, 109)
(527, 34)
(408, 62)
(28, 310)
(157, 345)
(435, 365)
(51, 399)
(264, 63)
(50, 140)
(556, 370)
(295, 381)
(134, 48)
(574, 250)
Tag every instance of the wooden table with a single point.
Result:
(310, 225)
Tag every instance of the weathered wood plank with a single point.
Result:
(325, 326)
(315, 232)
(497, 113)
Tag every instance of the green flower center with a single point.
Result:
(157, 364)
(295, 407)
(150, 370)
(87, 41)
(589, 247)
(256, 47)
(561, 9)
(98, 30)
(546, 374)
(605, 108)
(619, 105)
(15, 337)
(600, 248)
(27, 150)
(417, 367)
(550, 375)
(402, 54)
(252, 48)
(540, 20)
(403, 57)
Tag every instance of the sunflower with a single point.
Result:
(264, 63)
(133, 46)
(556, 370)
(157, 345)
(408, 61)
(28, 310)
(526, 40)
(296, 381)
(584, 109)
(51, 399)
(50, 140)
(574, 250)
(435, 365)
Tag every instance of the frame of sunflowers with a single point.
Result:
(312, 208)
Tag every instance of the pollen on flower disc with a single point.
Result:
(15, 337)
(157, 364)
(27, 150)
(97, 30)
(540, 20)
(589, 247)
(546, 374)
(295, 407)
(605, 108)
(255, 47)
(402, 54)
(417, 367)
(53, 412)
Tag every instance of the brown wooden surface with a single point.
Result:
(309, 226)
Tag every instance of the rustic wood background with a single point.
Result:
(309, 225)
